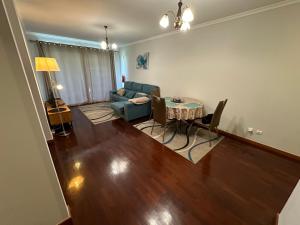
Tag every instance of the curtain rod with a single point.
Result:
(60, 44)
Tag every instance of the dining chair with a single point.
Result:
(159, 113)
(211, 121)
(153, 93)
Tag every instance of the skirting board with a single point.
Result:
(50, 141)
(253, 143)
(261, 146)
(67, 221)
(276, 219)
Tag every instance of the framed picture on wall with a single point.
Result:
(142, 61)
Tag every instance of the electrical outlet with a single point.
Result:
(250, 130)
(259, 132)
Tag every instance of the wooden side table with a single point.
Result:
(53, 114)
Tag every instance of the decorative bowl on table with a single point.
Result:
(177, 100)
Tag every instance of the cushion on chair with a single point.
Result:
(207, 119)
(129, 93)
(198, 122)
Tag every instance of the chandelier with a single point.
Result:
(181, 20)
(105, 45)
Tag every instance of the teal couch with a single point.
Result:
(128, 110)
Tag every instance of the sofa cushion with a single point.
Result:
(147, 88)
(128, 85)
(133, 111)
(118, 107)
(129, 93)
(140, 94)
(136, 87)
(117, 98)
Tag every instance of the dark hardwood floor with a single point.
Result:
(112, 173)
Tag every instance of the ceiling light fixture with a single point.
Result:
(105, 44)
(181, 20)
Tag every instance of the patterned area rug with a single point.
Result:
(98, 112)
(176, 138)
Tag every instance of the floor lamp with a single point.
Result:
(44, 64)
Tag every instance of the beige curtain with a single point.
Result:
(87, 74)
(113, 70)
(47, 83)
(98, 74)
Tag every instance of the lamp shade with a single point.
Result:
(46, 64)
(187, 15)
(164, 21)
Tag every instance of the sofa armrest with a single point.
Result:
(112, 95)
(113, 92)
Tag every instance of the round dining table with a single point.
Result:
(188, 109)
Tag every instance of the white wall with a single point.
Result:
(29, 192)
(254, 61)
(290, 214)
(31, 76)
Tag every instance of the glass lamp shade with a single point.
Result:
(164, 21)
(185, 26)
(103, 45)
(187, 15)
(59, 87)
(114, 46)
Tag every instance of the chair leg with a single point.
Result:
(151, 113)
(209, 133)
(164, 133)
(218, 133)
(152, 127)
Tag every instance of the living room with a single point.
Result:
(167, 112)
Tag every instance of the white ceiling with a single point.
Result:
(129, 20)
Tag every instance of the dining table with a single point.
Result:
(187, 109)
(183, 112)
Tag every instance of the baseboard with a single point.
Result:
(277, 219)
(67, 221)
(50, 141)
(261, 146)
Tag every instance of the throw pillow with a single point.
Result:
(129, 93)
(140, 100)
(140, 94)
(121, 92)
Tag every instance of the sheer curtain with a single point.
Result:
(98, 71)
(118, 73)
(85, 74)
(71, 75)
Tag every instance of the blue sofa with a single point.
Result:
(128, 110)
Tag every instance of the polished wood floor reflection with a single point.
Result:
(112, 173)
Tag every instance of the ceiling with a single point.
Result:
(129, 20)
